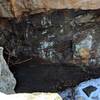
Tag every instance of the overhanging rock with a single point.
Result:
(14, 8)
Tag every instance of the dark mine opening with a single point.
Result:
(42, 50)
(50, 77)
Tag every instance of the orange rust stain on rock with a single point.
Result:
(72, 2)
(85, 53)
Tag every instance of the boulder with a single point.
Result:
(89, 90)
(31, 96)
(7, 80)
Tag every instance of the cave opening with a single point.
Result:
(46, 51)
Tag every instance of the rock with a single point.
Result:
(84, 18)
(84, 54)
(31, 96)
(67, 94)
(89, 90)
(83, 48)
(14, 8)
(7, 80)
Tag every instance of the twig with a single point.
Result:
(9, 55)
(16, 63)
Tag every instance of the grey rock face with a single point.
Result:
(7, 80)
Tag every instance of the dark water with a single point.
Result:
(49, 77)
(33, 76)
